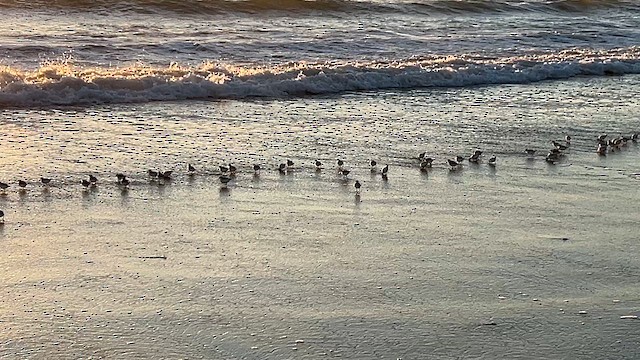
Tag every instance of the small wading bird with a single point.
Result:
(93, 180)
(475, 157)
(530, 152)
(165, 175)
(374, 165)
(385, 170)
(232, 170)
(289, 163)
(357, 185)
(22, 183)
(492, 161)
(152, 173)
(3, 186)
(256, 169)
(426, 163)
(559, 146)
(86, 183)
(45, 181)
(224, 180)
(454, 164)
(1, 217)
(318, 165)
(191, 169)
(282, 168)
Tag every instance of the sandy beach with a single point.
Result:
(524, 260)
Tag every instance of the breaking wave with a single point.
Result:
(63, 84)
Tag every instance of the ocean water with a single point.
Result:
(525, 259)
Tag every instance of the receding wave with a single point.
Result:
(62, 84)
(425, 7)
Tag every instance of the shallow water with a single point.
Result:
(477, 263)
(391, 127)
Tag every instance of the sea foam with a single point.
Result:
(58, 84)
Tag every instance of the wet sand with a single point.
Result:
(524, 260)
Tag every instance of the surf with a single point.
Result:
(64, 84)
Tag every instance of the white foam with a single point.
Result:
(64, 84)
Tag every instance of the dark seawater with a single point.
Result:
(84, 53)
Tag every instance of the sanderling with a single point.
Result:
(224, 180)
(358, 186)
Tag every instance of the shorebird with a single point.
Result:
(602, 149)
(318, 165)
(385, 170)
(454, 164)
(357, 185)
(93, 179)
(345, 172)
(152, 173)
(1, 217)
(374, 165)
(634, 137)
(3, 186)
(426, 163)
(530, 152)
(340, 165)
(559, 146)
(567, 139)
(282, 168)
(224, 180)
(125, 182)
(165, 175)
(232, 169)
(121, 177)
(22, 183)
(602, 137)
(224, 169)
(492, 161)
(553, 155)
(86, 183)
(191, 169)
(45, 181)
(422, 155)
(256, 169)
(475, 157)
(289, 163)
(459, 159)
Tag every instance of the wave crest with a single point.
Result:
(57, 84)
